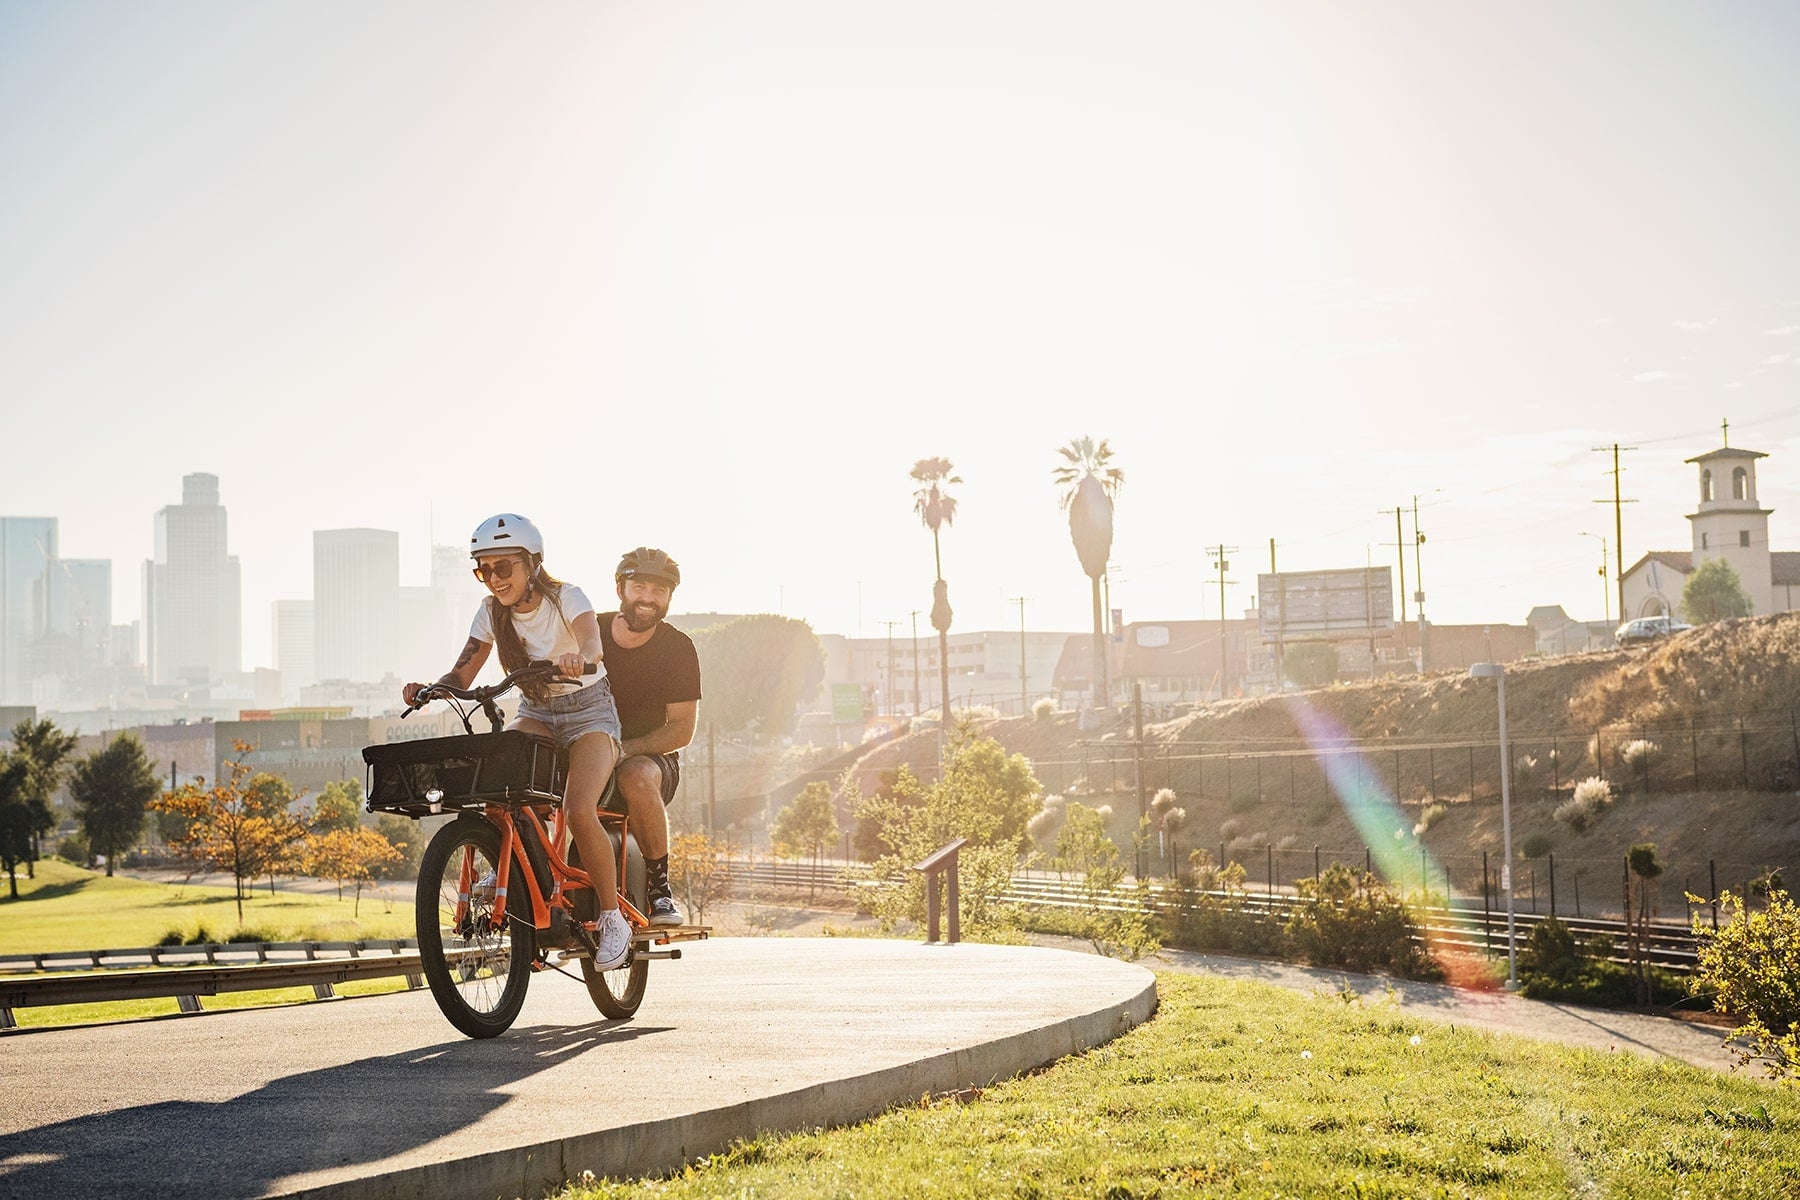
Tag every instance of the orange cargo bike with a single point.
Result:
(497, 900)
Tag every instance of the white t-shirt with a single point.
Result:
(545, 632)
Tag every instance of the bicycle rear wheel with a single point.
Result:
(616, 993)
(478, 972)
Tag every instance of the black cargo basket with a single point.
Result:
(445, 774)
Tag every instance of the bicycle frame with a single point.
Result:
(565, 877)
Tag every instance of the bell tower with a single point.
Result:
(1729, 523)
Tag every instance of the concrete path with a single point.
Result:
(380, 1097)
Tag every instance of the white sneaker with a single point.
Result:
(615, 941)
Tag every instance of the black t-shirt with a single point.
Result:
(664, 670)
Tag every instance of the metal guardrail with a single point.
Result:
(211, 953)
(108, 977)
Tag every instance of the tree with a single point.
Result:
(759, 668)
(1643, 867)
(341, 854)
(241, 826)
(406, 836)
(1714, 592)
(1310, 664)
(937, 508)
(44, 749)
(111, 788)
(1088, 486)
(15, 817)
(339, 806)
(697, 872)
(985, 796)
(807, 824)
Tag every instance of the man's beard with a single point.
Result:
(639, 621)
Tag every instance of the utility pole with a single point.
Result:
(915, 619)
(1024, 701)
(1605, 588)
(1400, 546)
(1618, 502)
(887, 689)
(1419, 580)
(1221, 565)
(1282, 620)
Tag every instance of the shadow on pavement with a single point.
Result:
(309, 1122)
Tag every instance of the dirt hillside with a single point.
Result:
(1412, 767)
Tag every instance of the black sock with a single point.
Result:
(656, 874)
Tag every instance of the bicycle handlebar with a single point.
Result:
(485, 696)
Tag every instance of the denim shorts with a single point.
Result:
(570, 716)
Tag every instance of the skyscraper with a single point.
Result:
(356, 604)
(294, 656)
(192, 595)
(27, 553)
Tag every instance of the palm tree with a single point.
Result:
(1088, 486)
(937, 508)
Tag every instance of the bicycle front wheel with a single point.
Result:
(478, 969)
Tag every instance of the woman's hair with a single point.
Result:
(506, 638)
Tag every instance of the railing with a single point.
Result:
(140, 974)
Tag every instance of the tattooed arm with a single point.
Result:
(462, 675)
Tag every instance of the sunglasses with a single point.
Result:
(500, 569)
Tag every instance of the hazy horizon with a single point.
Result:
(712, 277)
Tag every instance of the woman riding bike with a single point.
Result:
(530, 614)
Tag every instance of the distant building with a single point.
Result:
(27, 550)
(293, 642)
(1556, 632)
(1729, 524)
(192, 594)
(984, 669)
(356, 604)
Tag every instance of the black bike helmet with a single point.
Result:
(650, 565)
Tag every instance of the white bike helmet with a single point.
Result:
(506, 531)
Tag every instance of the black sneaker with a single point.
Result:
(664, 910)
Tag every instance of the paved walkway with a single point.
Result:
(380, 1097)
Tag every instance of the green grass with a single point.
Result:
(1240, 1088)
(71, 908)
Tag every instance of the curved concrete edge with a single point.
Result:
(656, 1147)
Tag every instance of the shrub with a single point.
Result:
(1163, 801)
(1429, 816)
(1230, 829)
(74, 848)
(1638, 754)
(1207, 910)
(1748, 964)
(1242, 802)
(1350, 919)
(1527, 772)
(1319, 811)
(1592, 797)
(1555, 965)
(1536, 845)
(1045, 708)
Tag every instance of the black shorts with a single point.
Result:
(671, 779)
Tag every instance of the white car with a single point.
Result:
(1648, 629)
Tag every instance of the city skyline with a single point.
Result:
(714, 279)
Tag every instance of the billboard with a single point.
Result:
(1352, 602)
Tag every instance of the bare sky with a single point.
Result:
(713, 275)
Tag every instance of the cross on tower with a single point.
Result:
(1725, 432)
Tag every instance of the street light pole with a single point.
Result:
(1498, 672)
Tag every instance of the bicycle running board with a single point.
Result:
(658, 935)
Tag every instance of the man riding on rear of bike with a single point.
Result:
(655, 674)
